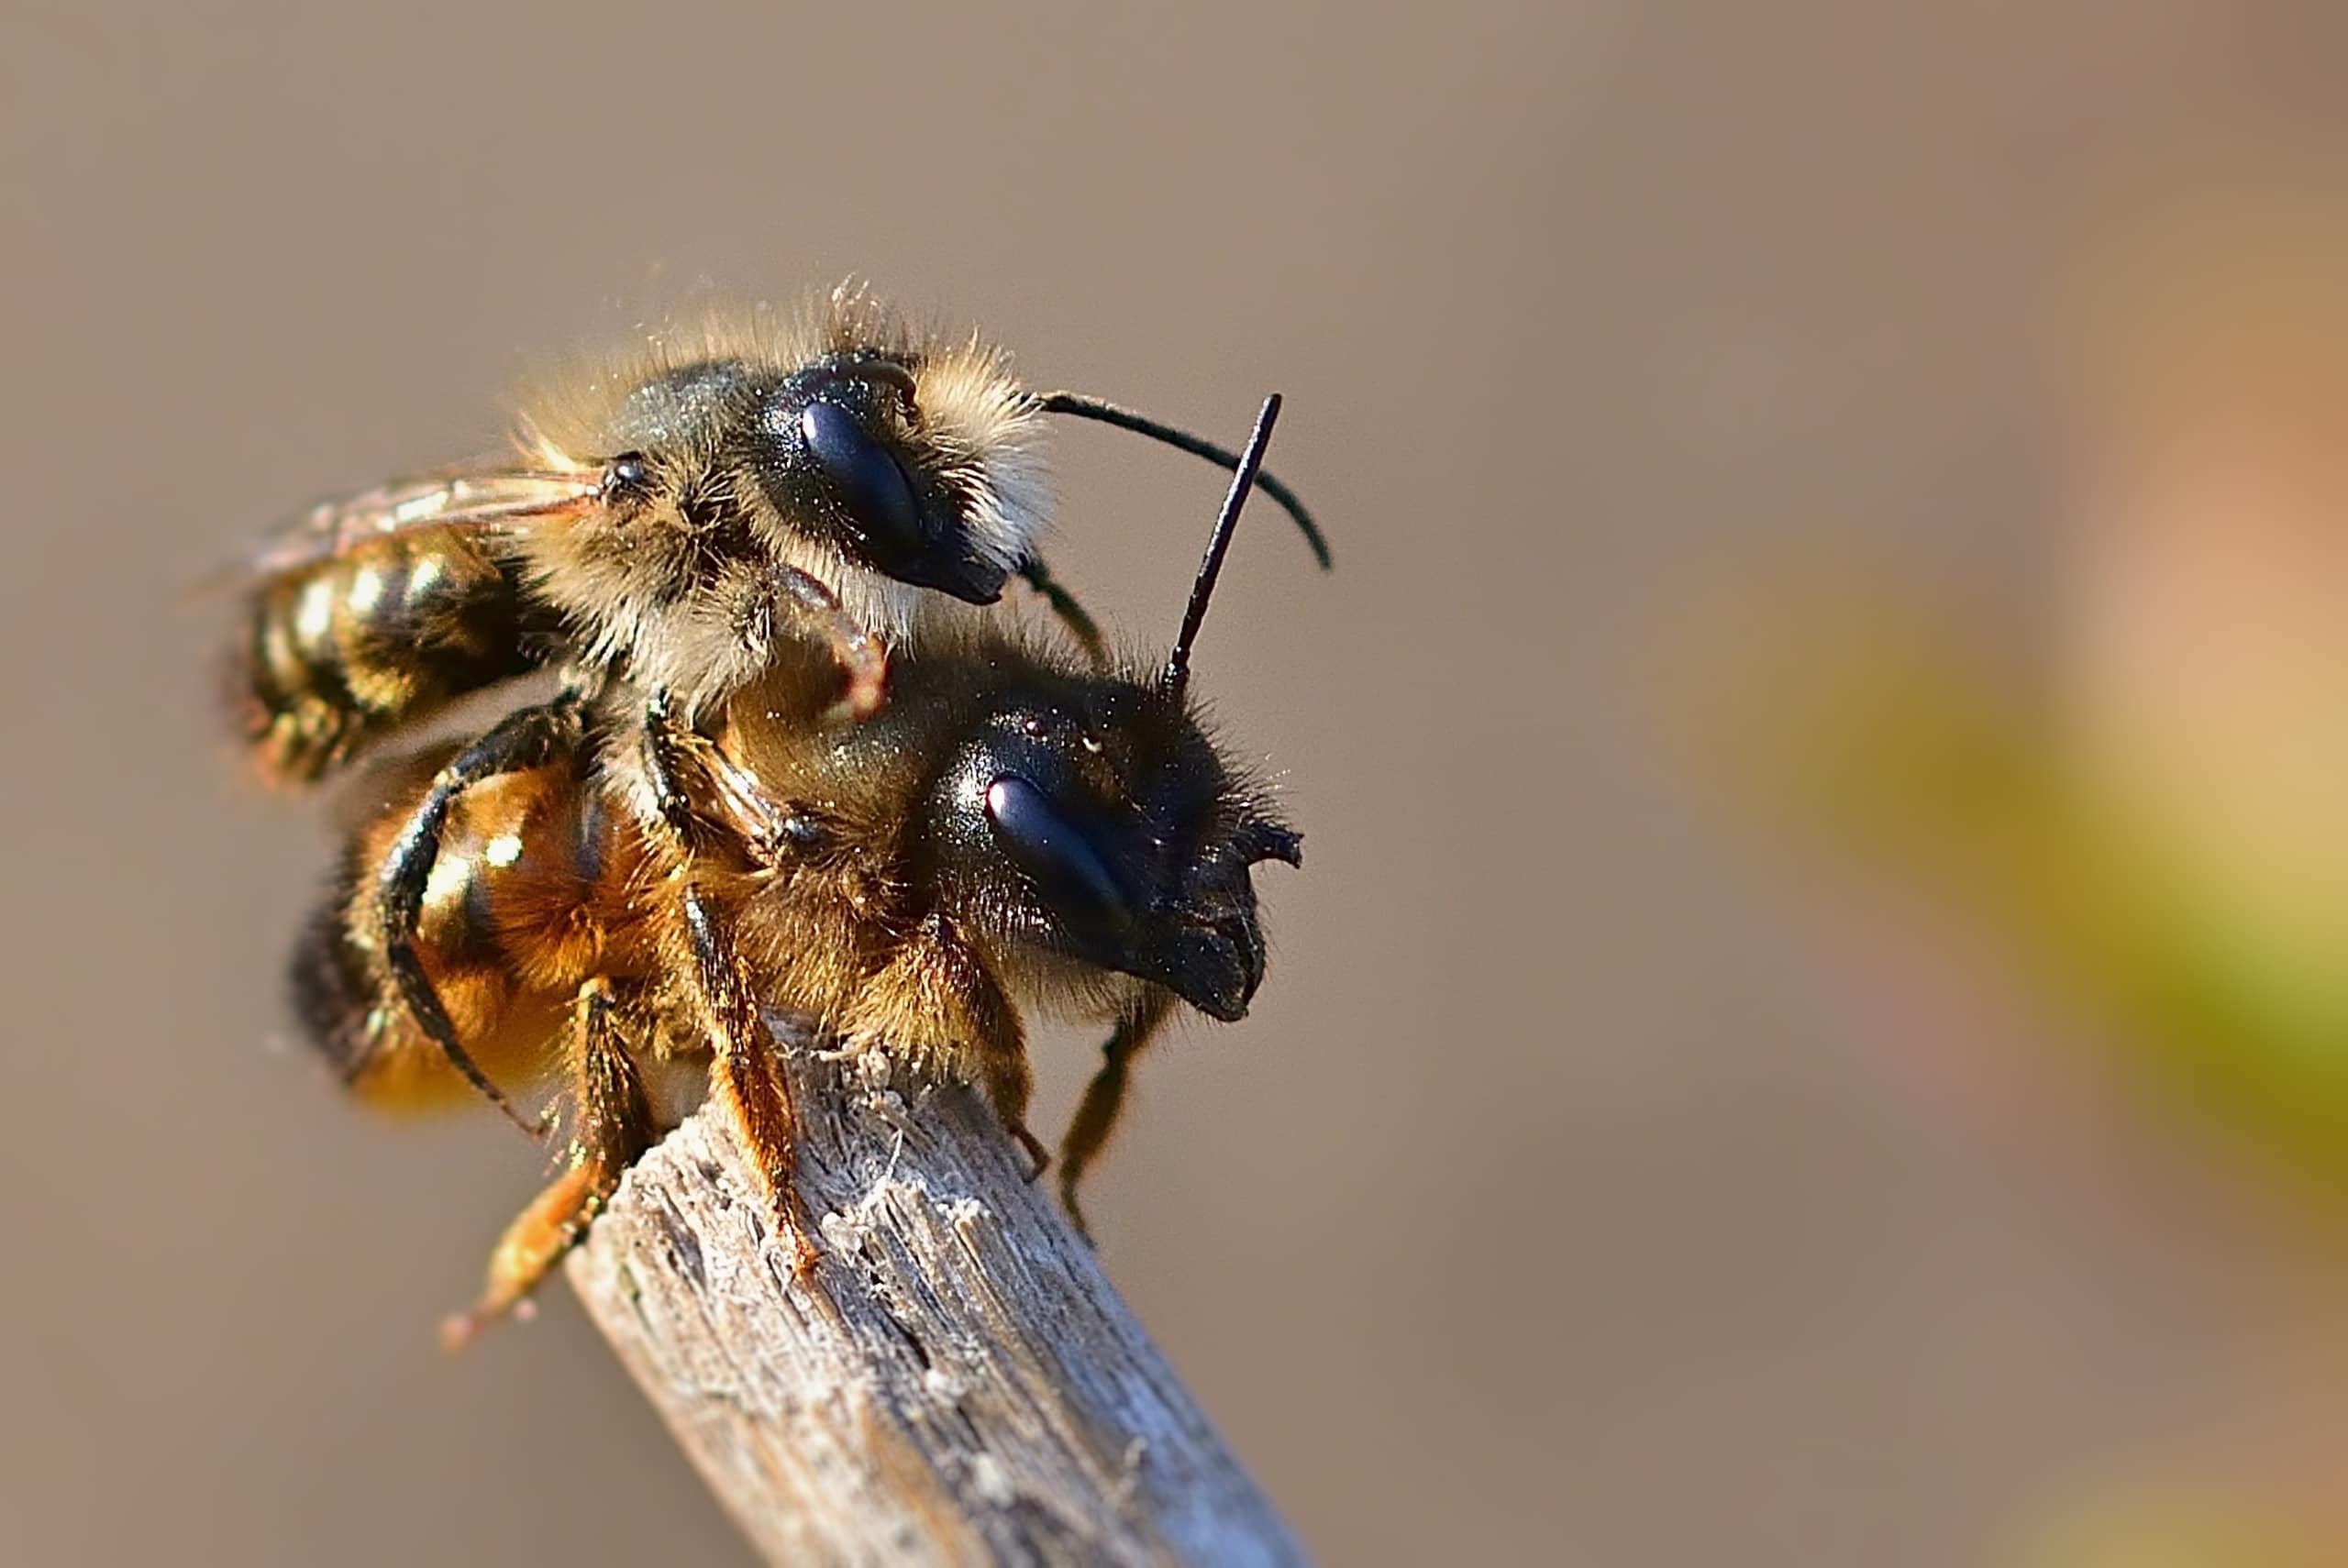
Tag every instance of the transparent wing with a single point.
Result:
(491, 494)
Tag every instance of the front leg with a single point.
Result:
(935, 1001)
(1104, 1097)
(1073, 615)
(772, 832)
(796, 598)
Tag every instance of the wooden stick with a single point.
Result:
(957, 1382)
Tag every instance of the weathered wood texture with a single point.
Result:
(956, 1382)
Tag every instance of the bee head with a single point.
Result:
(1099, 823)
(844, 445)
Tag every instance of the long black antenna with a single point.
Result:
(1083, 407)
(1243, 480)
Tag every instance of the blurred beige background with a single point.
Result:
(1580, 1191)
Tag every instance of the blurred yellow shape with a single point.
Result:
(2156, 817)
(2178, 1530)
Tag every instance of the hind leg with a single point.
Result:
(614, 1126)
(355, 1018)
(525, 739)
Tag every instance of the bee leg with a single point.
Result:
(527, 738)
(1003, 1072)
(858, 652)
(1104, 1098)
(748, 1076)
(1073, 615)
(934, 996)
(615, 1126)
(1003, 1051)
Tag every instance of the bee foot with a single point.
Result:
(804, 1254)
(1039, 1156)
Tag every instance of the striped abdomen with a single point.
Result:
(356, 644)
(538, 889)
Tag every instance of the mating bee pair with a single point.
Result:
(786, 764)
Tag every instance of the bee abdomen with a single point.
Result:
(333, 991)
(341, 986)
(344, 651)
(530, 893)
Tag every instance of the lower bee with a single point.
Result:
(1013, 830)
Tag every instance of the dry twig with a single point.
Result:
(957, 1382)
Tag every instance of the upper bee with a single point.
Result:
(669, 519)
(669, 516)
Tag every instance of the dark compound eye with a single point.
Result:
(627, 478)
(871, 482)
(1069, 868)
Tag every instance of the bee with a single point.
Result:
(672, 513)
(1015, 828)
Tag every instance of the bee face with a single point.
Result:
(745, 461)
(1106, 830)
(839, 445)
